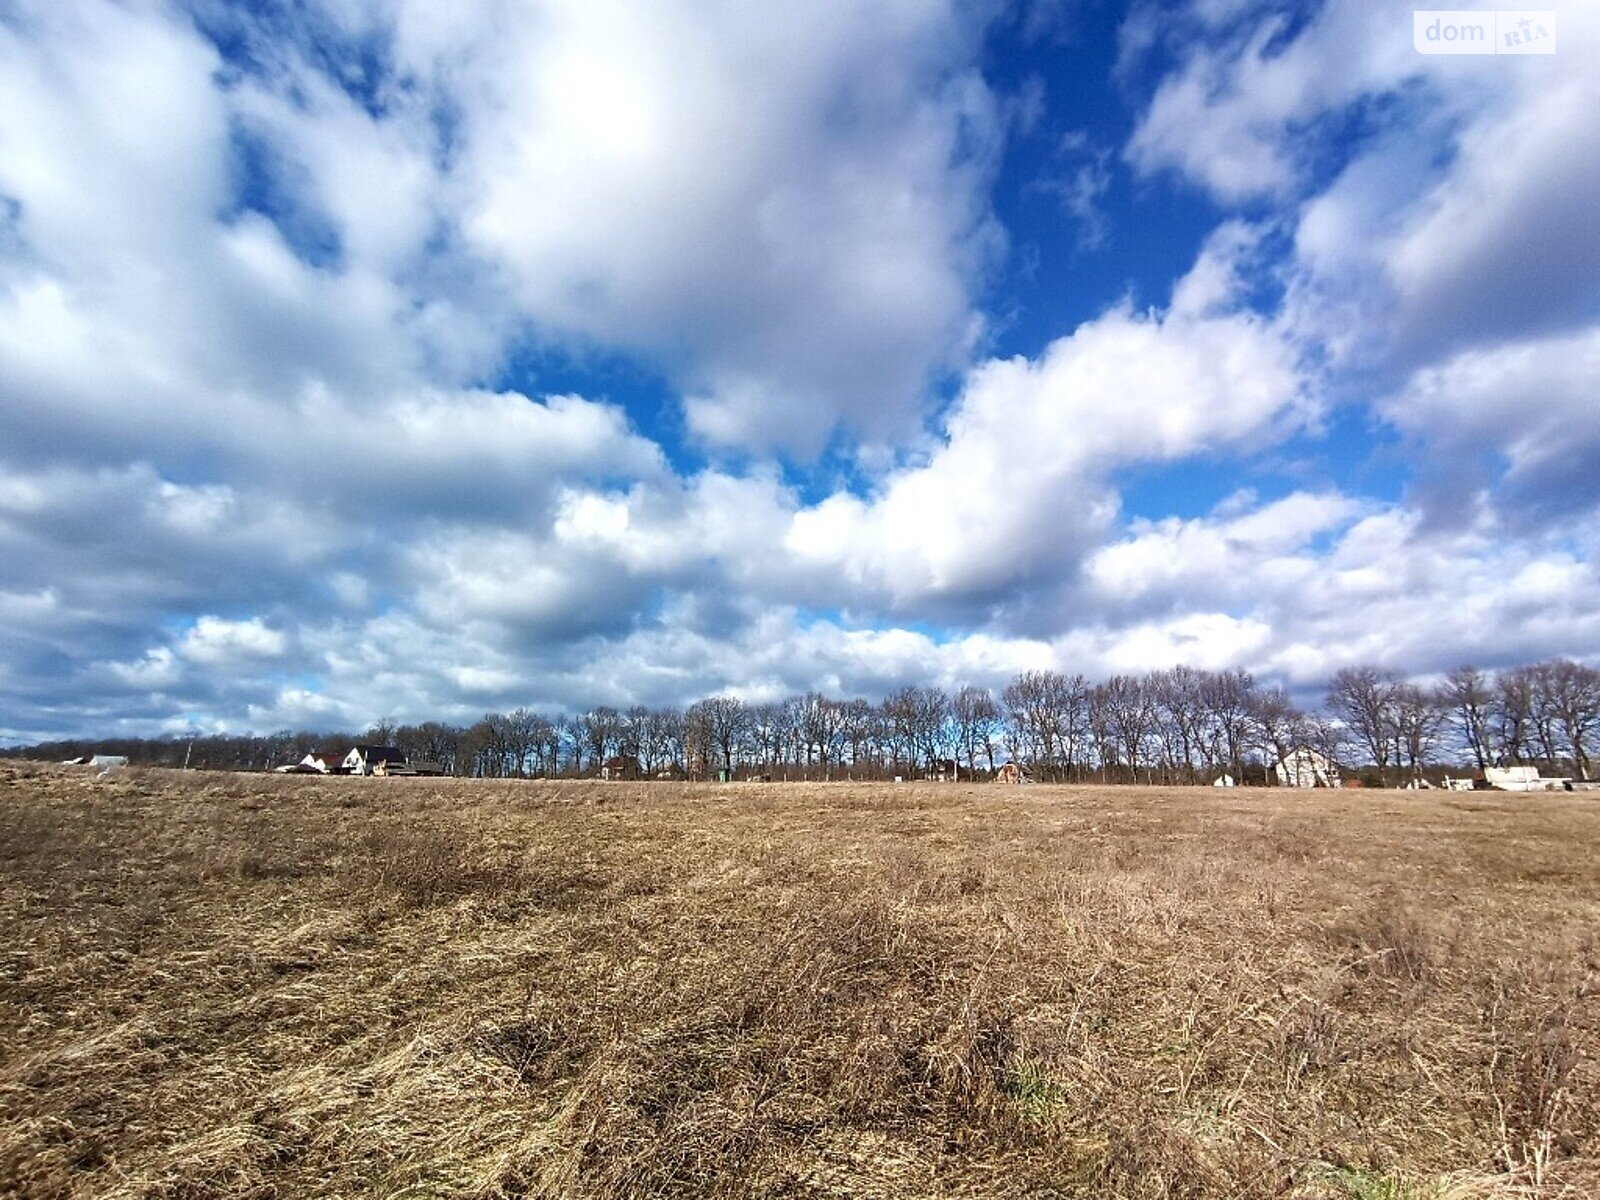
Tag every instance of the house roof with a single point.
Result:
(381, 753)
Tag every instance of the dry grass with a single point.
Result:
(255, 986)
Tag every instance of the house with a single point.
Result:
(323, 762)
(367, 760)
(1012, 772)
(1523, 779)
(1304, 767)
(426, 766)
(619, 766)
(106, 762)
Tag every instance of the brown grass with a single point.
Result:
(271, 987)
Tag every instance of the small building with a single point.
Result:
(1524, 779)
(1013, 772)
(106, 762)
(1304, 767)
(367, 760)
(944, 770)
(426, 766)
(619, 766)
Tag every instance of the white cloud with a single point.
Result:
(245, 308)
(1232, 557)
(1020, 486)
(1233, 116)
(1521, 415)
(215, 641)
(782, 205)
(1458, 209)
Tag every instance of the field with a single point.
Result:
(243, 986)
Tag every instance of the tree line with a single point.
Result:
(1182, 725)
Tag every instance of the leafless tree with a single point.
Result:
(1363, 698)
(1468, 696)
(1418, 721)
(1512, 716)
(1132, 718)
(977, 722)
(1279, 725)
(1047, 719)
(818, 725)
(723, 722)
(1576, 700)
(1226, 700)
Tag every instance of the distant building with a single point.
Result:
(1012, 772)
(373, 760)
(620, 766)
(1304, 767)
(1523, 779)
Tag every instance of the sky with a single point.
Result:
(370, 359)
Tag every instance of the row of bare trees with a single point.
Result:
(1546, 713)
(1182, 725)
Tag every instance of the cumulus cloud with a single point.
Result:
(1020, 486)
(784, 208)
(256, 469)
(1429, 250)
(214, 641)
(1521, 417)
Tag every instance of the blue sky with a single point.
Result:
(376, 358)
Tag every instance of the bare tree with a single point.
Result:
(381, 732)
(860, 726)
(1363, 698)
(1418, 719)
(1468, 696)
(1180, 714)
(918, 720)
(1103, 730)
(724, 722)
(1278, 724)
(817, 725)
(1047, 716)
(1132, 717)
(1512, 716)
(1226, 699)
(976, 717)
(661, 740)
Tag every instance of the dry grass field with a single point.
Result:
(241, 986)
